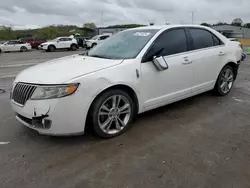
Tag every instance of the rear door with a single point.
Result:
(208, 55)
(67, 42)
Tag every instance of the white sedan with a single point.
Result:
(130, 73)
(12, 46)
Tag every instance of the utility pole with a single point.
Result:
(102, 18)
(192, 17)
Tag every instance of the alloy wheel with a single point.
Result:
(227, 80)
(114, 114)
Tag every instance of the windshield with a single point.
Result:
(54, 40)
(124, 45)
(95, 37)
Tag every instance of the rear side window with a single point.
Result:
(170, 43)
(13, 42)
(65, 39)
(201, 38)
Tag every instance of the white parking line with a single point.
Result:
(4, 143)
(17, 65)
(8, 76)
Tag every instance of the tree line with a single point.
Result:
(236, 22)
(53, 31)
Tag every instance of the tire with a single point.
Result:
(112, 119)
(93, 45)
(51, 48)
(73, 47)
(225, 81)
(0, 51)
(23, 49)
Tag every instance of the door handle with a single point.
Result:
(187, 61)
(221, 53)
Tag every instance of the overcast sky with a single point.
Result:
(37, 13)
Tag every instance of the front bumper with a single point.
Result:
(89, 44)
(64, 116)
(42, 47)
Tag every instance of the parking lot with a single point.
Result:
(199, 142)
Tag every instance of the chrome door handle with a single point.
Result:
(187, 62)
(221, 53)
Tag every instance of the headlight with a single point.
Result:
(51, 92)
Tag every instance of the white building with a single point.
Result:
(233, 31)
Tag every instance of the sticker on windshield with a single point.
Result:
(142, 34)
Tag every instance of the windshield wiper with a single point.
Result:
(85, 53)
(98, 56)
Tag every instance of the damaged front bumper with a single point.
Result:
(59, 117)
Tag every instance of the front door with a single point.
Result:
(60, 43)
(163, 87)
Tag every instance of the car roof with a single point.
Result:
(63, 37)
(160, 27)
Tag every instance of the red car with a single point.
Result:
(34, 42)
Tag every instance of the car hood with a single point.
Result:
(64, 69)
(90, 40)
(47, 43)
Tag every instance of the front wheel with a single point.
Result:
(51, 48)
(112, 113)
(225, 81)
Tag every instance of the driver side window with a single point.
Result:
(169, 43)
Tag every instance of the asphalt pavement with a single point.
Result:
(200, 142)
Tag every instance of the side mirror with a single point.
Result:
(160, 63)
(58, 41)
(5, 44)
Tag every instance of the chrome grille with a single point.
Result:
(22, 92)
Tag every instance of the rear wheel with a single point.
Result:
(225, 81)
(51, 48)
(73, 47)
(23, 49)
(0, 51)
(112, 113)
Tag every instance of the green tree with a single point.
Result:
(89, 25)
(221, 23)
(237, 22)
(206, 24)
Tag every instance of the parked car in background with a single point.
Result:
(134, 71)
(34, 42)
(59, 43)
(236, 40)
(98, 39)
(15, 45)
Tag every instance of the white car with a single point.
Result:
(98, 39)
(130, 73)
(12, 46)
(59, 43)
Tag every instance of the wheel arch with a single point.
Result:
(235, 67)
(51, 45)
(123, 87)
